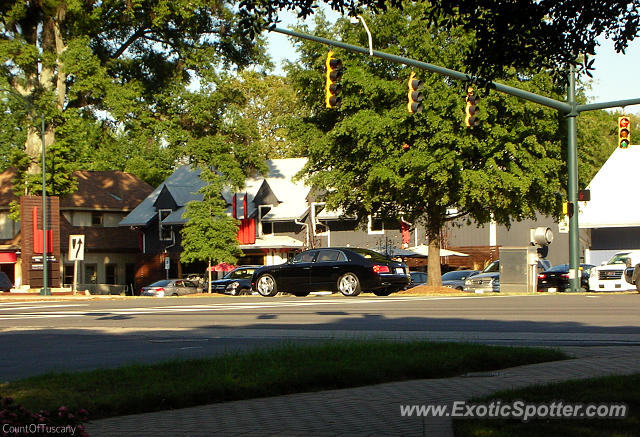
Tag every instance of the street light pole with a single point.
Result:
(45, 267)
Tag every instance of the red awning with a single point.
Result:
(8, 257)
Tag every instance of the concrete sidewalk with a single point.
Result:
(364, 411)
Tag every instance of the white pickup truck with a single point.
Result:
(610, 275)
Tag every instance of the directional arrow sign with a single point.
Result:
(76, 247)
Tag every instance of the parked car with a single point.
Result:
(5, 282)
(455, 279)
(347, 270)
(487, 280)
(417, 278)
(609, 275)
(236, 282)
(557, 278)
(170, 287)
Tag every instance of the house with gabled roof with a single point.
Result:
(93, 210)
(270, 210)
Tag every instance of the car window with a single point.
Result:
(162, 283)
(179, 284)
(454, 275)
(329, 255)
(494, 267)
(305, 257)
(189, 284)
(619, 258)
(559, 268)
(370, 254)
(242, 274)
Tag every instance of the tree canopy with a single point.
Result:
(135, 85)
(547, 33)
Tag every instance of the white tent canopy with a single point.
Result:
(423, 250)
(612, 201)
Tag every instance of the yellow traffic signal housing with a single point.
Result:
(471, 119)
(624, 135)
(332, 87)
(414, 96)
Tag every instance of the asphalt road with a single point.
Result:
(57, 335)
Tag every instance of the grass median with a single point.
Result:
(290, 368)
(592, 408)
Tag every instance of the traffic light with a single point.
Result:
(414, 96)
(332, 87)
(624, 136)
(471, 119)
(584, 195)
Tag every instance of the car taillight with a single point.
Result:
(158, 289)
(542, 276)
(565, 275)
(380, 269)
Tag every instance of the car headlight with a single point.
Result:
(233, 285)
(467, 282)
(495, 281)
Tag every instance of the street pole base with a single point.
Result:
(45, 292)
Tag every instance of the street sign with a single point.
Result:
(167, 263)
(76, 247)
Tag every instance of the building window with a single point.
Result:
(96, 219)
(8, 228)
(166, 233)
(375, 226)
(91, 274)
(111, 273)
(68, 274)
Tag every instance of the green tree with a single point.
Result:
(506, 169)
(271, 101)
(114, 76)
(209, 234)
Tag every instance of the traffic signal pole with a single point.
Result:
(570, 109)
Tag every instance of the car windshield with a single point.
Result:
(162, 283)
(455, 275)
(494, 267)
(619, 258)
(370, 254)
(559, 268)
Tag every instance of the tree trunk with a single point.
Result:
(434, 272)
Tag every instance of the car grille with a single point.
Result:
(610, 274)
(220, 287)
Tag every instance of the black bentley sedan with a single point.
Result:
(556, 278)
(347, 270)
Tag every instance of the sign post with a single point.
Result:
(76, 253)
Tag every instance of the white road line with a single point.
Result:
(205, 308)
(42, 306)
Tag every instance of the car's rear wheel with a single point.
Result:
(349, 285)
(266, 285)
(383, 292)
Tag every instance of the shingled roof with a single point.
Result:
(112, 190)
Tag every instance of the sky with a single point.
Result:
(614, 78)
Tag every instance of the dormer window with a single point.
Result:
(166, 232)
(266, 228)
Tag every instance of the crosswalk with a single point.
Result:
(63, 309)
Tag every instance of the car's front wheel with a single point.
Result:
(349, 285)
(266, 285)
(636, 276)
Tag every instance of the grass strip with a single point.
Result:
(289, 368)
(603, 390)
